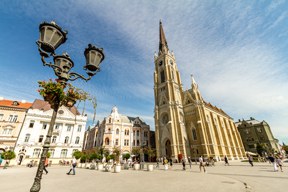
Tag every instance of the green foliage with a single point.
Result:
(116, 153)
(77, 154)
(126, 156)
(136, 151)
(48, 155)
(150, 152)
(8, 155)
(261, 148)
(51, 88)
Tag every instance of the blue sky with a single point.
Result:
(236, 50)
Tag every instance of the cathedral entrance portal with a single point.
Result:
(168, 149)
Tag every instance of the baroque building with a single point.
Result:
(254, 132)
(12, 115)
(117, 130)
(67, 136)
(185, 124)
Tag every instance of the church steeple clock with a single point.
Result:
(171, 136)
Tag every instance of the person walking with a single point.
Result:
(183, 164)
(226, 160)
(273, 161)
(171, 162)
(279, 162)
(190, 162)
(250, 160)
(46, 165)
(73, 165)
(201, 164)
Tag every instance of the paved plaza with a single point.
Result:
(238, 177)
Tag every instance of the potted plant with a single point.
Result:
(116, 153)
(136, 151)
(151, 153)
(50, 90)
(126, 156)
(74, 94)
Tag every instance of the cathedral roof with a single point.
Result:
(163, 45)
(216, 109)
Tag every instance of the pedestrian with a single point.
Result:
(6, 164)
(201, 164)
(250, 160)
(279, 162)
(183, 164)
(0, 160)
(273, 161)
(190, 162)
(157, 165)
(165, 163)
(73, 165)
(46, 163)
(171, 163)
(226, 160)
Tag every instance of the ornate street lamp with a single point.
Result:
(51, 37)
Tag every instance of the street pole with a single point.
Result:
(37, 181)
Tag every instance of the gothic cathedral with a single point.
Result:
(185, 124)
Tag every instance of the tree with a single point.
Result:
(150, 152)
(136, 151)
(126, 156)
(8, 155)
(260, 148)
(116, 153)
(77, 154)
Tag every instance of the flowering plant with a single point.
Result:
(51, 89)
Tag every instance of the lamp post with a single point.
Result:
(51, 37)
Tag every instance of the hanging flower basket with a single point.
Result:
(70, 102)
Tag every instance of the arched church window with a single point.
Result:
(107, 141)
(194, 134)
(160, 63)
(117, 131)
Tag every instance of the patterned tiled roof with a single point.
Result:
(15, 104)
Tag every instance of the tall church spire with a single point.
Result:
(163, 46)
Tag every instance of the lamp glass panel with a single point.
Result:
(92, 57)
(56, 38)
(97, 59)
(42, 33)
(48, 34)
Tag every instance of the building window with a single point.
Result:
(54, 139)
(145, 133)
(116, 142)
(133, 142)
(51, 151)
(12, 118)
(194, 134)
(134, 133)
(40, 138)
(66, 139)
(63, 153)
(107, 141)
(79, 128)
(138, 133)
(126, 132)
(126, 142)
(1, 117)
(77, 140)
(162, 76)
(117, 131)
(27, 137)
(36, 152)
(69, 127)
(31, 124)
(7, 131)
(138, 143)
(160, 63)
(44, 125)
(58, 126)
